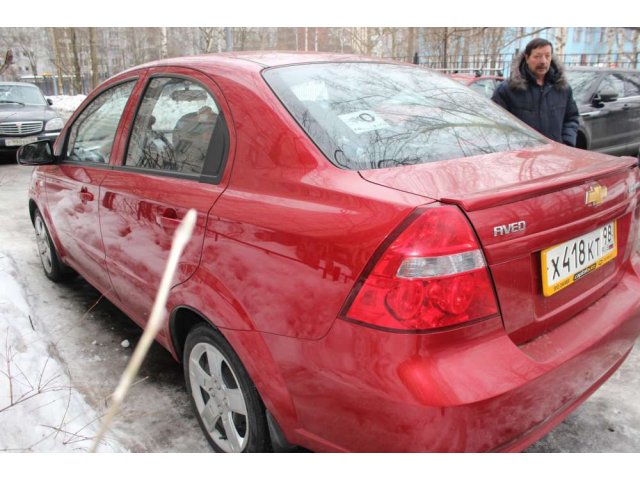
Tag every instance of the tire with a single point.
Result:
(225, 400)
(53, 267)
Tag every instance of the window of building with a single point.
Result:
(577, 34)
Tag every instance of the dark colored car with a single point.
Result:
(382, 260)
(609, 104)
(25, 116)
(484, 84)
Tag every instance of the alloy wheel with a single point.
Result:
(44, 247)
(218, 398)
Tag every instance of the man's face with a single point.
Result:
(539, 61)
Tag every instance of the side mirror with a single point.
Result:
(37, 153)
(49, 101)
(604, 96)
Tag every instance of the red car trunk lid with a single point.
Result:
(523, 203)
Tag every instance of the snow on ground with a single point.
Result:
(65, 105)
(39, 409)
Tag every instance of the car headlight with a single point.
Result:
(54, 124)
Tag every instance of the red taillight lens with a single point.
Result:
(432, 275)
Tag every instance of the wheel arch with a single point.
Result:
(583, 139)
(53, 233)
(33, 206)
(183, 320)
(256, 358)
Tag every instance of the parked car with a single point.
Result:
(382, 261)
(609, 104)
(25, 116)
(484, 84)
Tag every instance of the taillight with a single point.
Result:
(432, 275)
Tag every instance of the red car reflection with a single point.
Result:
(382, 261)
(484, 84)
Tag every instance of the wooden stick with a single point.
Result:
(180, 239)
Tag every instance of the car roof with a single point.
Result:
(599, 69)
(19, 84)
(259, 60)
(470, 78)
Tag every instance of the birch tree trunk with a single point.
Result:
(411, 42)
(636, 46)
(95, 68)
(58, 60)
(77, 77)
(164, 51)
(560, 40)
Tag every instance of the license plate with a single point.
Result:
(18, 142)
(568, 262)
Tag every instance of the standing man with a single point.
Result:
(537, 92)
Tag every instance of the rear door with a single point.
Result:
(73, 185)
(176, 154)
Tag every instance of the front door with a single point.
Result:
(610, 121)
(73, 185)
(632, 106)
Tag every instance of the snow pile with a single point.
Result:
(65, 105)
(39, 409)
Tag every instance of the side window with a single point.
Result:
(612, 82)
(173, 128)
(93, 133)
(632, 85)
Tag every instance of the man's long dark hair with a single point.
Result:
(537, 43)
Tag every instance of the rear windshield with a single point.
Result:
(372, 115)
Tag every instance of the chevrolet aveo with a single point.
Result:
(383, 260)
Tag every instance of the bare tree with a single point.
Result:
(636, 45)
(57, 60)
(363, 39)
(164, 49)
(520, 34)
(95, 73)
(560, 40)
(8, 60)
(27, 45)
(77, 70)
(209, 37)
(411, 42)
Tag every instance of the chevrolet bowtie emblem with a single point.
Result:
(595, 196)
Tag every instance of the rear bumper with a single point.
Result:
(470, 389)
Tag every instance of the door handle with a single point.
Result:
(168, 219)
(626, 107)
(85, 195)
(597, 113)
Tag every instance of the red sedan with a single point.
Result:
(382, 261)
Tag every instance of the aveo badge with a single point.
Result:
(514, 227)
